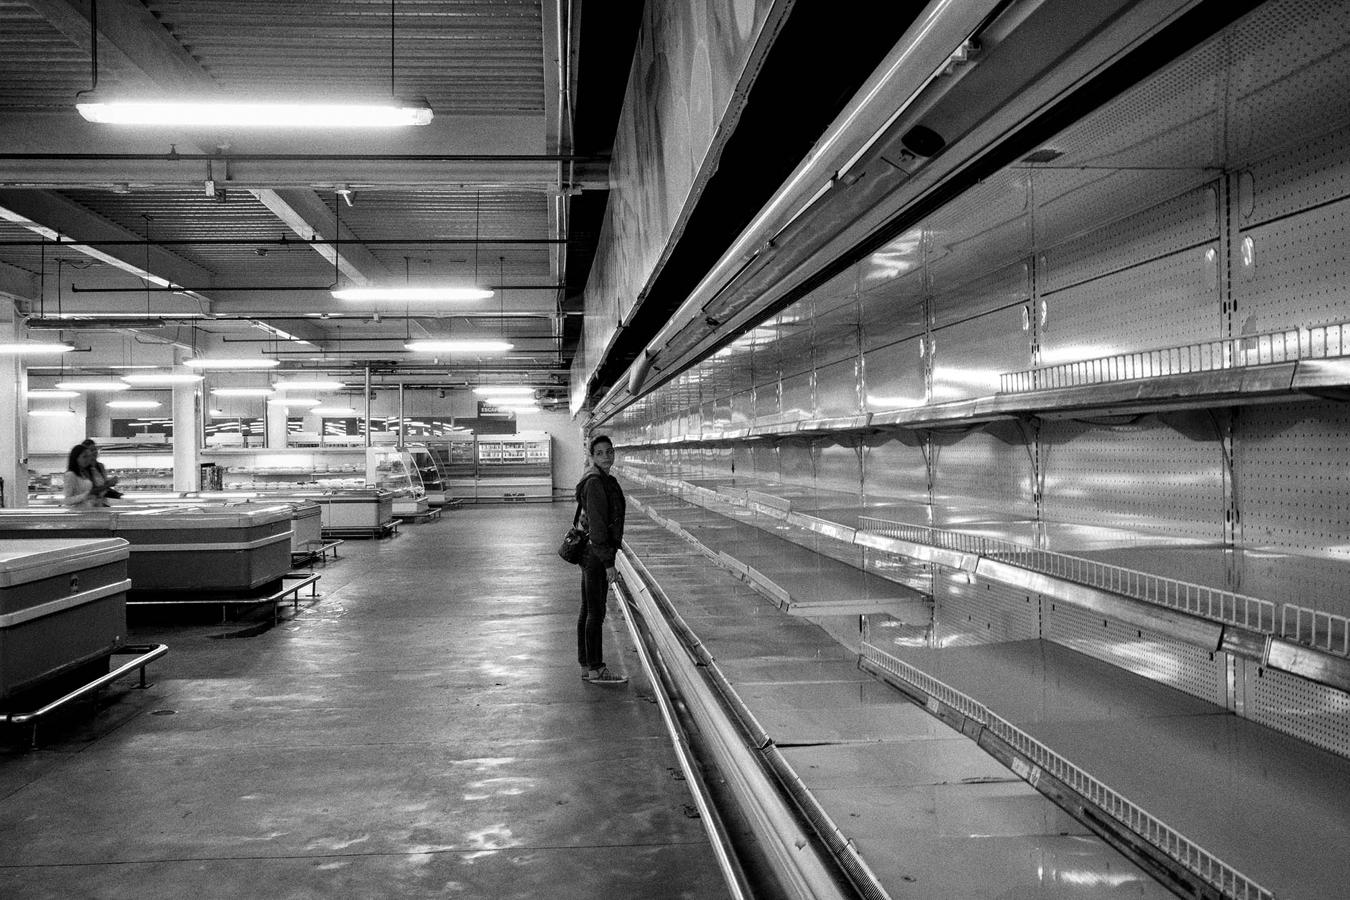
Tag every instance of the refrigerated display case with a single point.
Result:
(497, 468)
(393, 469)
(430, 472)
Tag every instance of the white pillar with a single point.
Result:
(276, 425)
(13, 415)
(187, 432)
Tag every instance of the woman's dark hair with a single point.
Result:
(73, 461)
(600, 439)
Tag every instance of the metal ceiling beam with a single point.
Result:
(67, 217)
(309, 217)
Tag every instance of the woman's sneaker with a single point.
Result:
(605, 676)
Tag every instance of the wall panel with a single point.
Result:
(894, 471)
(984, 470)
(893, 377)
(969, 356)
(838, 389)
(1144, 475)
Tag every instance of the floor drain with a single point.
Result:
(162, 712)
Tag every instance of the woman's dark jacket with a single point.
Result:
(603, 509)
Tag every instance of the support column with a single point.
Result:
(187, 436)
(276, 426)
(13, 416)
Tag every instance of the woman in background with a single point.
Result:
(79, 490)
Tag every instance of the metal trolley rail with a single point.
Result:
(298, 581)
(145, 654)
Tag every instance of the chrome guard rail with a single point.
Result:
(1159, 834)
(1316, 342)
(145, 654)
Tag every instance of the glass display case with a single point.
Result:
(393, 469)
(430, 471)
(289, 468)
(497, 467)
(138, 466)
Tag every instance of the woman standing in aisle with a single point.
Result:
(602, 504)
(78, 489)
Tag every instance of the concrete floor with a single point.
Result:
(421, 731)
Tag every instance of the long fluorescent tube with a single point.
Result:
(309, 385)
(51, 412)
(254, 362)
(453, 346)
(35, 347)
(42, 394)
(242, 392)
(133, 404)
(92, 385)
(407, 294)
(255, 115)
(333, 411)
(162, 378)
(503, 390)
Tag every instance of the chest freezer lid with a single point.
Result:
(28, 560)
(205, 516)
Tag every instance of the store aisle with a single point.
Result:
(420, 732)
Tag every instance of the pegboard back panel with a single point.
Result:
(992, 471)
(1173, 225)
(797, 463)
(763, 462)
(1290, 76)
(835, 335)
(1311, 712)
(1145, 475)
(967, 611)
(1069, 202)
(1160, 303)
(955, 301)
(887, 318)
(798, 394)
(955, 259)
(893, 377)
(1296, 270)
(1150, 654)
(768, 399)
(969, 356)
(894, 471)
(1297, 179)
(839, 470)
(839, 389)
(1292, 478)
(742, 408)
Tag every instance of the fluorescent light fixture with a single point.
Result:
(212, 114)
(309, 385)
(133, 404)
(412, 294)
(253, 362)
(92, 385)
(294, 401)
(504, 390)
(509, 401)
(52, 413)
(162, 378)
(242, 392)
(333, 411)
(25, 348)
(42, 394)
(457, 346)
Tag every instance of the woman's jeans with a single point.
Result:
(594, 594)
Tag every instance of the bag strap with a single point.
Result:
(581, 489)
